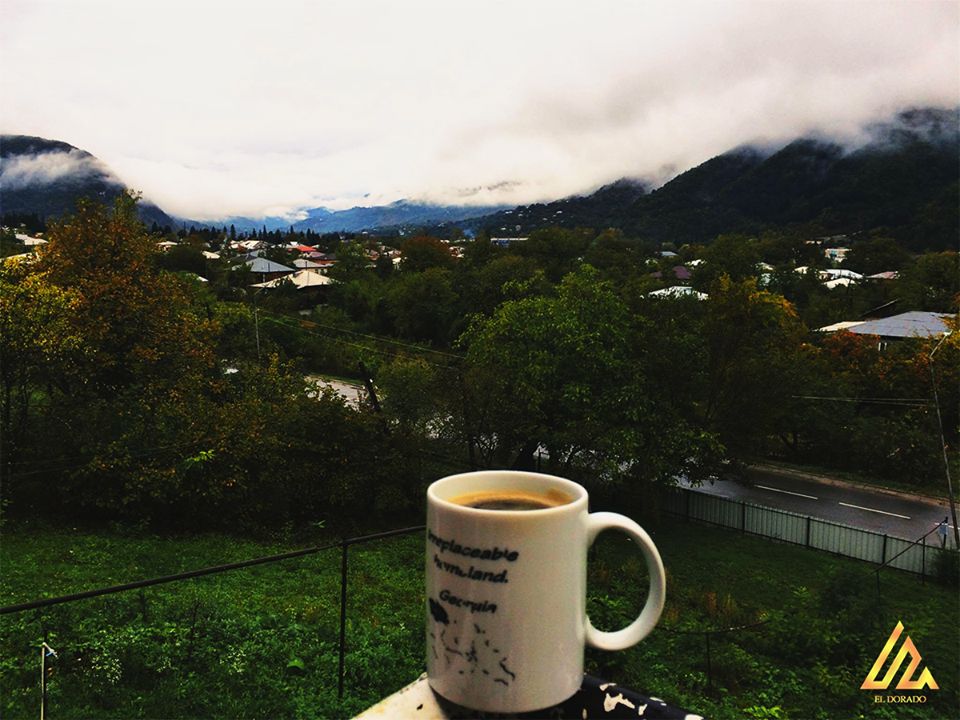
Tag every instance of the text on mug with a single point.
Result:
(494, 553)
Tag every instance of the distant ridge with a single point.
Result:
(46, 178)
(400, 215)
(903, 180)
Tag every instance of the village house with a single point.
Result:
(896, 328)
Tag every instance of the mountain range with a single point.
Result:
(402, 215)
(45, 178)
(903, 179)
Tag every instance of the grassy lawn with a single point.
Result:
(262, 642)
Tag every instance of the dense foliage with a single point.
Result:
(130, 390)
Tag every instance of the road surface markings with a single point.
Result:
(882, 512)
(786, 492)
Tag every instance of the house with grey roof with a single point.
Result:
(905, 326)
(306, 279)
(266, 270)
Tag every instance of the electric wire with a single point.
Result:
(377, 338)
(918, 402)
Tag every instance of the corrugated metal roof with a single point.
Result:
(845, 325)
(905, 325)
(678, 291)
(262, 265)
(303, 263)
(301, 280)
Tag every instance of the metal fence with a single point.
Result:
(914, 556)
(343, 544)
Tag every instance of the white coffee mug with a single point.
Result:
(506, 571)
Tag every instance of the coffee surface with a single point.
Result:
(512, 499)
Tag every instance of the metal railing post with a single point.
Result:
(923, 561)
(45, 651)
(43, 682)
(706, 635)
(343, 616)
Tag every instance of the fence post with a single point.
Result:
(43, 681)
(709, 665)
(686, 505)
(343, 615)
(808, 531)
(883, 552)
(923, 561)
(743, 516)
(879, 596)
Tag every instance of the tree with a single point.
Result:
(880, 254)
(480, 252)
(422, 305)
(183, 258)
(789, 249)
(352, 262)
(384, 266)
(753, 341)
(735, 256)
(556, 250)
(37, 345)
(424, 252)
(147, 362)
(931, 283)
(485, 287)
(613, 254)
(560, 371)
(139, 321)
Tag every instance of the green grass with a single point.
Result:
(262, 642)
(824, 628)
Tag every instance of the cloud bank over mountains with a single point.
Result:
(23, 171)
(217, 109)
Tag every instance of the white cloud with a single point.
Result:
(43, 168)
(216, 108)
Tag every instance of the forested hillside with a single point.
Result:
(903, 181)
(45, 178)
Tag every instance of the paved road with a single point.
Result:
(899, 515)
(353, 394)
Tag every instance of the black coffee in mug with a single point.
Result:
(512, 500)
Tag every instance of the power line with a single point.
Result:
(59, 468)
(908, 402)
(143, 451)
(295, 324)
(378, 338)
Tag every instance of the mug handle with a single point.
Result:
(645, 622)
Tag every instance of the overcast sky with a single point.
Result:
(268, 107)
